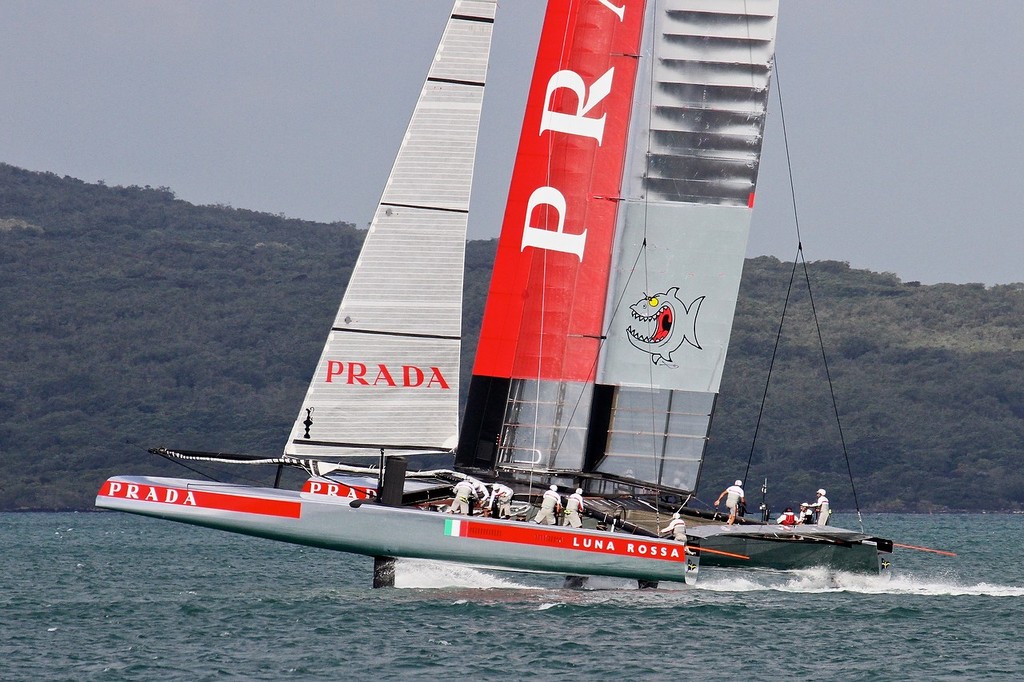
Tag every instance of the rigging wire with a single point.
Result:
(800, 260)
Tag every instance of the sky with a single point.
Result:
(902, 118)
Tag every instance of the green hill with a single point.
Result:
(131, 319)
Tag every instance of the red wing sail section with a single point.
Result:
(546, 303)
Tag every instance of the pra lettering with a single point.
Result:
(336, 490)
(149, 493)
(581, 123)
(361, 374)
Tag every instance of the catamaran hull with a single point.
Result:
(769, 547)
(372, 529)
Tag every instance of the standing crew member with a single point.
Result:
(733, 498)
(501, 501)
(821, 506)
(550, 505)
(676, 528)
(463, 491)
(573, 507)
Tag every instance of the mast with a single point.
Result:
(536, 361)
(606, 328)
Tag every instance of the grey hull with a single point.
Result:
(372, 529)
(782, 548)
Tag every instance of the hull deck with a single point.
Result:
(371, 529)
(781, 548)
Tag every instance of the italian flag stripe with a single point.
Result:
(454, 528)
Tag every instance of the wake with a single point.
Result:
(422, 574)
(820, 580)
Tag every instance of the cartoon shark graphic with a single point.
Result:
(666, 324)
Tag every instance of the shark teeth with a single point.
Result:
(644, 318)
(639, 337)
(648, 318)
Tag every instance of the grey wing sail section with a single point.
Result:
(682, 231)
(388, 375)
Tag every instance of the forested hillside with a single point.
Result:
(131, 319)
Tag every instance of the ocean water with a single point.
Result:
(109, 596)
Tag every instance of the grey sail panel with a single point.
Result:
(545, 426)
(388, 375)
(682, 231)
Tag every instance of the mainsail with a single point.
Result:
(617, 273)
(388, 377)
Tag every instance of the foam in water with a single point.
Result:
(424, 574)
(820, 580)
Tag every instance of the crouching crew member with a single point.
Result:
(501, 501)
(463, 491)
(676, 528)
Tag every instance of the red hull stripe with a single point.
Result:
(538, 536)
(204, 499)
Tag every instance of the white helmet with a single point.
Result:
(579, 491)
(821, 491)
(676, 515)
(739, 482)
(553, 487)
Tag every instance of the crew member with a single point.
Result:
(734, 497)
(821, 507)
(676, 528)
(463, 491)
(550, 505)
(479, 493)
(806, 514)
(788, 518)
(573, 507)
(500, 501)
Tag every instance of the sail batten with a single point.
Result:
(389, 372)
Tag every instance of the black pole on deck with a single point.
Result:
(391, 489)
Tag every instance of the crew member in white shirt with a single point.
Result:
(500, 501)
(820, 506)
(463, 491)
(573, 507)
(734, 496)
(550, 505)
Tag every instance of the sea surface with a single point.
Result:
(110, 596)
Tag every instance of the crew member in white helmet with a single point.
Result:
(820, 506)
(676, 528)
(573, 507)
(463, 491)
(734, 497)
(550, 505)
(500, 501)
(479, 493)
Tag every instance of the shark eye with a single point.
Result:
(653, 301)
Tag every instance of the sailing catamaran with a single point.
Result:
(606, 324)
